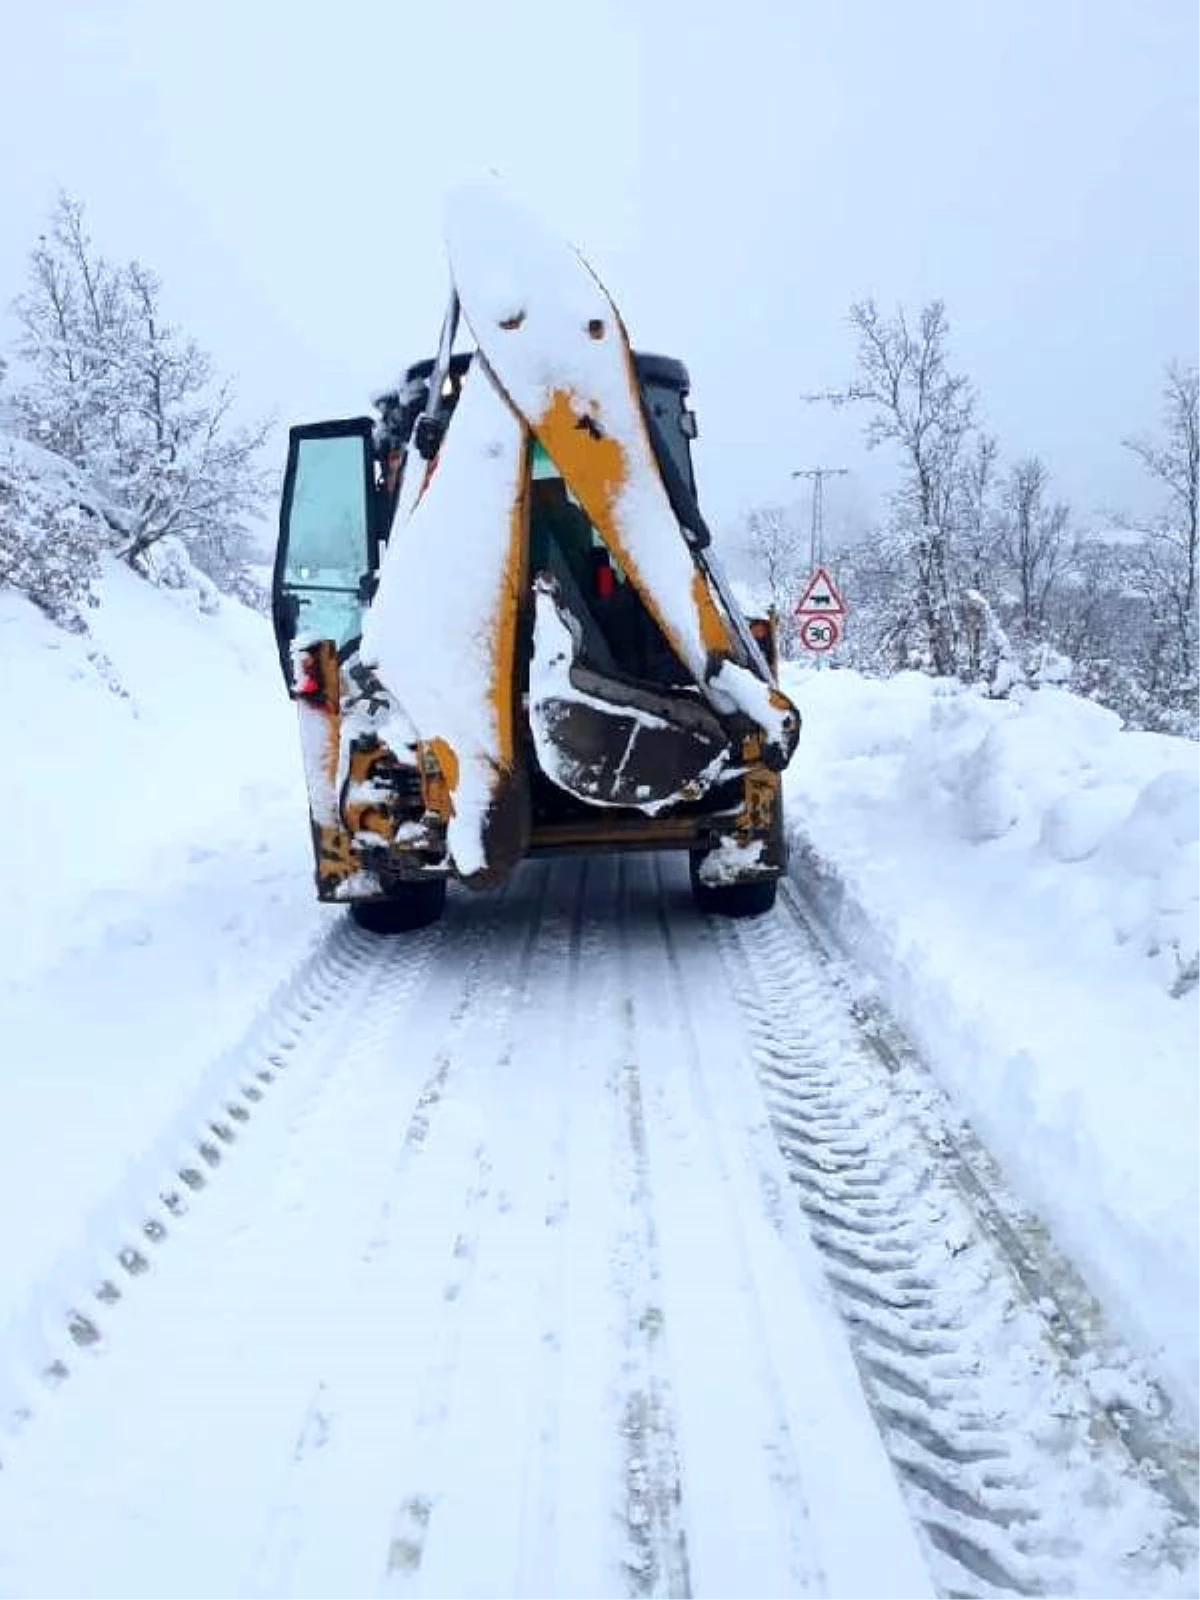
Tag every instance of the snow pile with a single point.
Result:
(1055, 775)
(160, 725)
(156, 888)
(1021, 878)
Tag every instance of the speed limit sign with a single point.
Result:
(819, 633)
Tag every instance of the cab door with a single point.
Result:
(328, 550)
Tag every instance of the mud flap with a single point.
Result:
(609, 741)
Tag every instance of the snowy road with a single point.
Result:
(583, 1246)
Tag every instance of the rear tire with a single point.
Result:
(407, 906)
(751, 899)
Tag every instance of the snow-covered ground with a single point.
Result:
(156, 889)
(415, 1339)
(1021, 879)
(330, 1348)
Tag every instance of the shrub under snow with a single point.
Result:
(49, 543)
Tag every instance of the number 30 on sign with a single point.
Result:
(819, 633)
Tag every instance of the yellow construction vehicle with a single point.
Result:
(500, 615)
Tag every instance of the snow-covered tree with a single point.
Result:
(114, 386)
(978, 572)
(1165, 563)
(1087, 605)
(927, 411)
(977, 535)
(777, 554)
(999, 667)
(874, 569)
(1032, 541)
(49, 542)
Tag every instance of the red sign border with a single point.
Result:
(836, 610)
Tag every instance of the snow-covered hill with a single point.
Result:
(1020, 877)
(139, 748)
(156, 888)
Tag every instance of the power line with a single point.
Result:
(818, 476)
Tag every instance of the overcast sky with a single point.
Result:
(737, 172)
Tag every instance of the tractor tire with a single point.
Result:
(750, 899)
(408, 906)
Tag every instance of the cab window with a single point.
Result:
(328, 522)
(328, 553)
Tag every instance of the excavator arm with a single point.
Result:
(541, 608)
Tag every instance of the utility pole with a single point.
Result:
(818, 476)
(816, 556)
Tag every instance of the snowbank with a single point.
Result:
(133, 751)
(1021, 878)
(157, 887)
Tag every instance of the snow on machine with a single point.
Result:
(500, 615)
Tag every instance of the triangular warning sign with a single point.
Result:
(820, 597)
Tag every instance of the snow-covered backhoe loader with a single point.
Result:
(500, 615)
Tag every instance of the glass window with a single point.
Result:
(327, 523)
(327, 614)
(542, 466)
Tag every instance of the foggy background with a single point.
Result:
(737, 174)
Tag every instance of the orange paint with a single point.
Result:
(334, 858)
(597, 470)
(714, 632)
(760, 797)
(438, 787)
(368, 816)
(327, 704)
(507, 615)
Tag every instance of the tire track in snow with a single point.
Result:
(658, 1561)
(770, 1476)
(515, 1485)
(602, 1516)
(463, 1467)
(72, 1312)
(547, 1326)
(542, 1533)
(199, 1397)
(413, 1277)
(1073, 1316)
(1012, 1469)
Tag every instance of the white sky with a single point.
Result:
(738, 173)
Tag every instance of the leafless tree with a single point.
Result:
(977, 546)
(774, 544)
(112, 385)
(927, 411)
(1033, 540)
(1167, 564)
(977, 481)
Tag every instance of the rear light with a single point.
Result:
(308, 685)
(606, 580)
